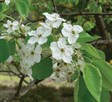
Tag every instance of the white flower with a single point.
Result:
(11, 26)
(71, 32)
(62, 72)
(29, 55)
(53, 20)
(2, 37)
(40, 35)
(7, 2)
(25, 29)
(61, 51)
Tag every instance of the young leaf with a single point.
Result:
(90, 50)
(83, 94)
(4, 50)
(22, 7)
(43, 69)
(93, 80)
(85, 37)
(106, 71)
(12, 46)
(105, 96)
(102, 54)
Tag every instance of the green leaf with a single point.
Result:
(87, 60)
(106, 71)
(75, 76)
(4, 50)
(90, 50)
(43, 69)
(22, 7)
(83, 93)
(88, 25)
(93, 80)
(85, 37)
(105, 96)
(102, 54)
(76, 2)
(94, 7)
(12, 46)
(2, 16)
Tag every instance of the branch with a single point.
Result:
(102, 42)
(30, 85)
(86, 13)
(101, 26)
(17, 94)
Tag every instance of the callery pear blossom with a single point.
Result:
(11, 26)
(53, 20)
(71, 32)
(61, 51)
(40, 35)
(29, 55)
(62, 72)
(25, 29)
(7, 2)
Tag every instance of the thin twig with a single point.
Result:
(18, 75)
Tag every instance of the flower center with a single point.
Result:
(73, 32)
(40, 35)
(32, 52)
(62, 50)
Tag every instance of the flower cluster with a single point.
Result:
(29, 55)
(11, 26)
(63, 48)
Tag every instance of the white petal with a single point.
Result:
(77, 28)
(37, 58)
(49, 16)
(15, 23)
(10, 30)
(45, 25)
(9, 22)
(5, 25)
(42, 40)
(73, 38)
(57, 23)
(68, 50)
(65, 32)
(38, 49)
(62, 42)
(47, 32)
(32, 33)
(67, 26)
(67, 59)
(7, 2)
(40, 30)
(56, 54)
(54, 46)
(32, 40)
